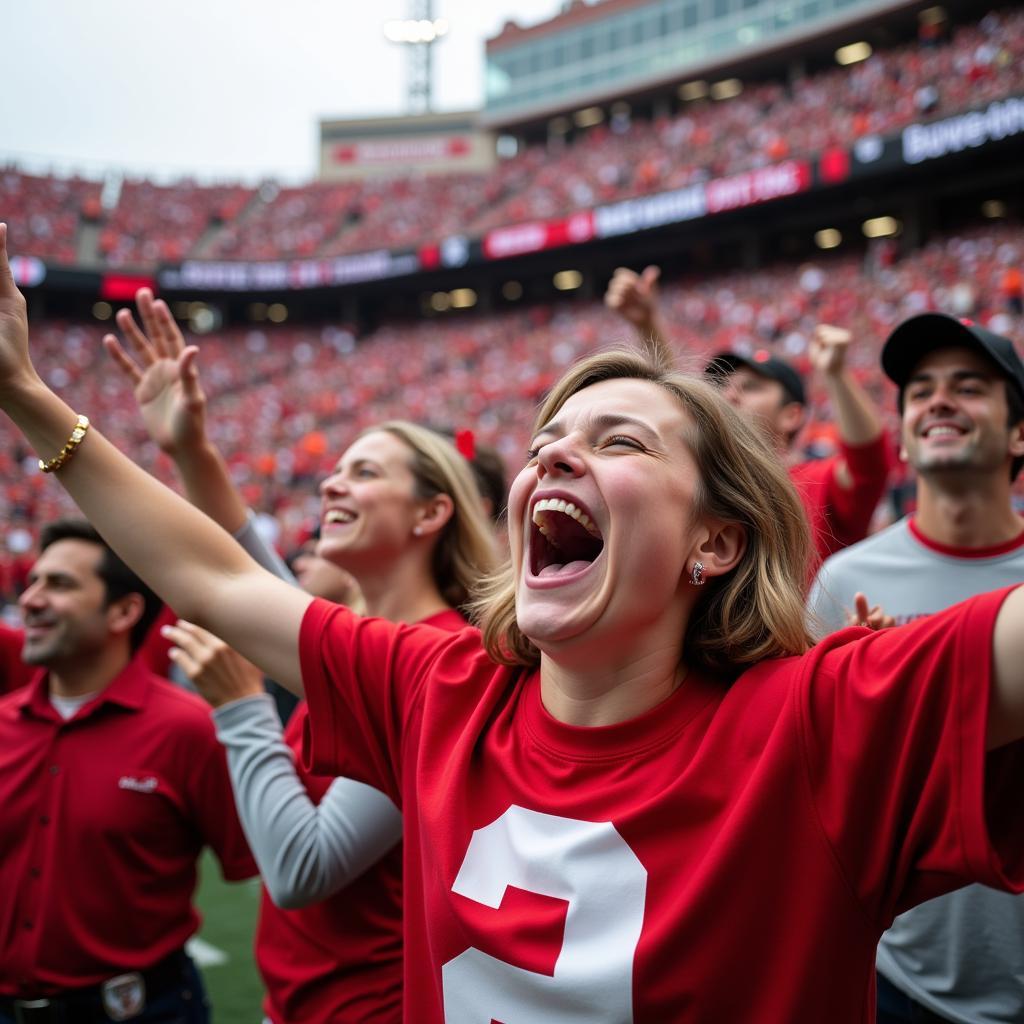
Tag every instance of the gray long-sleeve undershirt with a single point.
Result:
(305, 851)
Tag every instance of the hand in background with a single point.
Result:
(864, 615)
(163, 373)
(634, 296)
(828, 348)
(219, 673)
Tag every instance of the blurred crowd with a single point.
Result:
(620, 158)
(285, 400)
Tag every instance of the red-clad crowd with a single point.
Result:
(771, 122)
(49, 212)
(621, 158)
(288, 398)
(524, 792)
(287, 221)
(525, 789)
(163, 223)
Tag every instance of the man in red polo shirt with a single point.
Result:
(111, 782)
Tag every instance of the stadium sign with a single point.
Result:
(535, 236)
(283, 275)
(701, 200)
(402, 151)
(760, 186)
(999, 120)
(631, 215)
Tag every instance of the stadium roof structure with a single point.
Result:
(635, 50)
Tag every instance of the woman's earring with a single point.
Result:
(697, 575)
(417, 531)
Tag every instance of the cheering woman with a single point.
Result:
(638, 795)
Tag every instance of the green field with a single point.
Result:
(229, 920)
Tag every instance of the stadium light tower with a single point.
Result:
(418, 33)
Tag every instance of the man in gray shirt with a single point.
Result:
(959, 957)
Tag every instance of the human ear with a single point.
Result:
(433, 515)
(790, 418)
(720, 548)
(1016, 445)
(123, 613)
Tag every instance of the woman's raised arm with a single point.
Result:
(193, 564)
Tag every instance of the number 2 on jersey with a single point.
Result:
(590, 866)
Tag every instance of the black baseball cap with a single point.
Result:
(913, 339)
(764, 364)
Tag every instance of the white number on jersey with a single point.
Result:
(590, 866)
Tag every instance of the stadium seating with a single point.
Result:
(44, 213)
(153, 223)
(622, 158)
(286, 400)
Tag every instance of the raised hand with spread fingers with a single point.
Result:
(172, 404)
(163, 373)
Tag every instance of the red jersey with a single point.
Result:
(733, 854)
(14, 673)
(339, 959)
(840, 516)
(154, 651)
(102, 818)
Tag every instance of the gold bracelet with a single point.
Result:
(64, 455)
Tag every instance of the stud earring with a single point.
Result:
(417, 531)
(697, 575)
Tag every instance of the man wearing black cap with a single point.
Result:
(839, 494)
(959, 957)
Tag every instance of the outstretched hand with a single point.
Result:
(163, 373)
(828, 348)
(219, 673)
(634, 296)
(15, 363)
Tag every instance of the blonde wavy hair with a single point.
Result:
(465, 549)
(753, 612)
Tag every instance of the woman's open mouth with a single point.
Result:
(564, 539)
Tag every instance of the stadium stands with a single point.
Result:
(287, 399)
(622, 158)
(154, 223)
(45, 213)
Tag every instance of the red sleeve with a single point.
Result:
(363, 680)
(14, 673)
(153, 652)
(908, 708)
(849, 509)
(213, 802)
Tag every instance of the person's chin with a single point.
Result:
(338, 551)
(550, 620)
(943, 462)
(35, 656)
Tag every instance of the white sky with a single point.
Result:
(218, 88)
